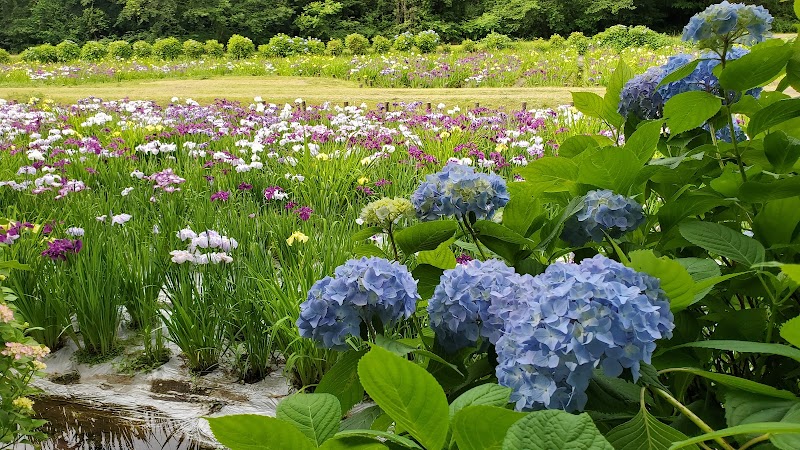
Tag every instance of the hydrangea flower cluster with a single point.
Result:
(640, 95)
(458, 190)
(206, 240)
(472, 300)
(360, 291)
(603, 213)
(58, 249)
(727, 23)
(598, 313)
(386, 211)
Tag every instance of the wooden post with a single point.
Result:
(388, 106)
(524, 106)
(304, 105)
(428, 107)
(477, 105)
(346, 104)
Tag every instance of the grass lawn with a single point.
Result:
(287, 89)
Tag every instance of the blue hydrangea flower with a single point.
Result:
(458, 190)
(641, 97)
(472, 301)
(734, 22)
(579, 317)
(603, 211)
(360, 290)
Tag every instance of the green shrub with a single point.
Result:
(404, 41)
(381, 44)
(120, 49)
(315, 46)
(557, 41)
(168, 48)
(468, 45)
(142, 49)
(68, 51)
(335, 47)
(427, 41)
(495, 41)
(193, 49)
(44, 53)
(93, 51)
(578, 41)
(240, 47)
(280, 45)
(5, 57)
(213, 48)
(641, 36)
(356, 43)
(540, 45)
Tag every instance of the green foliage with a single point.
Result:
(620, 37)
(142, 49)
(93, 51)
(240, 47)
(5, 57)
(356, 43)
(214, 48)
(426, 41)
(315, 46)
(193, 49)
(68, 51)
(120, 49)
(579, 41)
(381, 44)
(280, 45)
(403, 42)
(557, 41)
(334, 47)
(495, 41)
(468, 45)
(167, 49)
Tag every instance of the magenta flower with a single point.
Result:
(59, 248)
(275, 193)
(304, 212)
(220, 196)
(463, 258)
(245, 187)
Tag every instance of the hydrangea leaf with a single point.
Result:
(756, 192)
(408, 394)
(551, 174)
(486, 394)
(644, 140)
(342, 380)
(782, 151)
(690, 110)
(315, 415)
(254, 432)
(555, 429)
(774, 429)
(680, 73)
(791, 331)
(792, 270)
(393, 440)
(764, 62)
(575, 145)
(735, 382)
(721, 240)
(675, 279)
(361, 420)
(368, 250)
(773, 115)
(745, 347)
(616, 82)
(688, 205)
(425, 236)
(593, 105)
(483, 427)
(427, 278)
(353, 443)
(441, 257)
(644, 432)
(366, 233)
(610, 168)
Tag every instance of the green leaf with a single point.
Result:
(551, 174)
(762, 64)
(616, 82)
(483, 427)
(442, 257)
(688, 205)
(425, 235)
(362, 420)
(644, 432)
(495, 230)
(755, 192)
(680, 73)
(486, 394)
(690, 110)
(790, 331)
(754, 428)
(427, 278)
(315, 415)
(366, 233)
(520, 212)
(555, 429)
(376, 434)
(353, 443)
(782, 151)
(408, 394)
(675, 279)
(644, 140)
(342, 380)
(575, 205)
(742, 408)
(368, 250)
(797, 8)
(746, 347)
(773, 115)
(777, 221)
(792, 271)
(254, 432)
(735, 382)
(723, 241)
(593, 105)
(610, 168)
(14, 265)
(788, 441)
(575, 145)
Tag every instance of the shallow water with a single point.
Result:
(75, 426)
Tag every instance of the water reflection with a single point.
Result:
(79, 427)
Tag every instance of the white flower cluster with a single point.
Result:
(206, 240)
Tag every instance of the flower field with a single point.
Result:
(621, 273)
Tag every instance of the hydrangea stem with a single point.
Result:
(474, 239)
(394, 245)
(692, 416)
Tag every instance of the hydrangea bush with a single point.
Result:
(457, 190)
